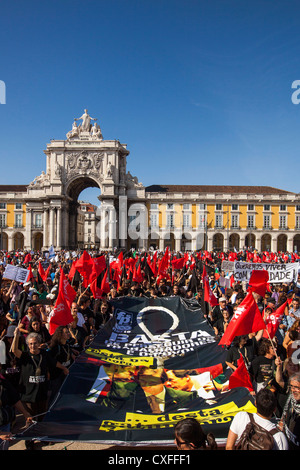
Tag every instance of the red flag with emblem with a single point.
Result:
(62, 309)
(246, 319)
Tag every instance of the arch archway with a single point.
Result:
(18, 241)
(38, 241)
(296, 243)
(169, 241)
(234, 241)
(3, 241)
(250, 240)
(153, 240)
(186, 242)
(266, 241)
(218, 242)
(201, 241)
(80, 229)
(282, 242)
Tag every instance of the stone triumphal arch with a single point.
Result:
(84, 159)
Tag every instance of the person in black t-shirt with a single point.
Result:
(35, 365)
(262, 369)
(241, 345)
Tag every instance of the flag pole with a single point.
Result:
(272, 343)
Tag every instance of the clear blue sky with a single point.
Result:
(199, 90)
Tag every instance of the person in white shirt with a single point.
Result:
(266, 405)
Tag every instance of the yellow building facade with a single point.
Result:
(223, 218)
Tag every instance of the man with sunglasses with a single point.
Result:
(290, 420)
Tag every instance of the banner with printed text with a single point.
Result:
(278, 272)
(154, 363)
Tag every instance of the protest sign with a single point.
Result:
(278, 272)
(15, 273)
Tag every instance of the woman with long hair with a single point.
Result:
(61, 351)
(189, 435)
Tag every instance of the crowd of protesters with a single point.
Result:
(35, 363)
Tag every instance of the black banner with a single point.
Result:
(154, 363)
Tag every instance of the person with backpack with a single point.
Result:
(256, 431)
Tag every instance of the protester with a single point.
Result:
(35, 365)
(61, 352)
(9, 402)
(242, 345)
(262, 369)
(290, 420)
(266, 405)
(189, 435)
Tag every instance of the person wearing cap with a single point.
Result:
(219, 309)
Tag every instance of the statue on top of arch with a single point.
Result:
(85, 130)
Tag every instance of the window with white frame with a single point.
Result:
(250, 207)
(154, 220)
(186, 220)
(267, 221)
(170, 220)
(202, 220)
(234, 207)
(18, 205)
(218, 223)
(18, 220)
(2, 220)
(282, 207)
(219, 207)
(38, 220)
(2, 205)
(297, 225)
(282, 221)
(234, 221)
(250, 221)
(267, 207)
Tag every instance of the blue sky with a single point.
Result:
(200, 91)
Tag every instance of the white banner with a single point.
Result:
(278, 272)
(15, 273)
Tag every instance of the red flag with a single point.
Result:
(240, 377)
(137, 274)
(27, 258)
(258, 281)
(152, 264)
(47, 273)
(85, 266)
(68, 291)
(41, 271)
(209, 296)
(273, 321)
(98, 265)
(96, 291)
(30, 276)
(105, 287)
(246, 319)
(178, 263)
(72, 271)
(62, 309)
(163, 264)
